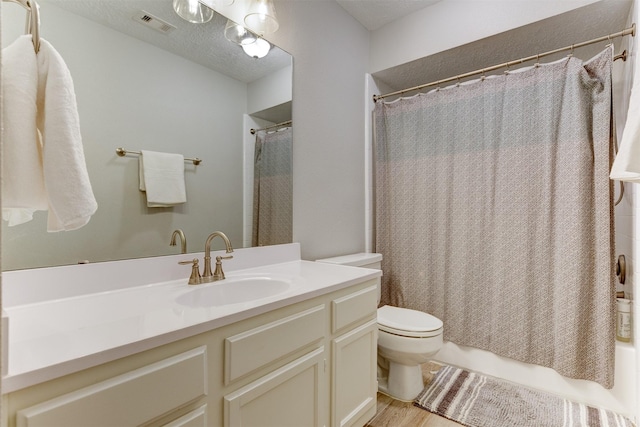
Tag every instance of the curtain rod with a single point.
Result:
(628, 31)
(287, 123)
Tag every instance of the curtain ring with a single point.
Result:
(537, 64)
(483, 76)
(507, 70)
(571, 52)
(458, 81)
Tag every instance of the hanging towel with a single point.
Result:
(23, 189)
(69, 193)
(162, 177)
(626, 166)
(46, 173)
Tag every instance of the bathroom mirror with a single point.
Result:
(145, 79)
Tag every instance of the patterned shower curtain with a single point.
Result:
(272, 188)
(494, 213)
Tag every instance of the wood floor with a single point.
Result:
(394, 413)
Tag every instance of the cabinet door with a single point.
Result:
(290, 396)
(354, 383)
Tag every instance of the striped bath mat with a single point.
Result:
(476, 400)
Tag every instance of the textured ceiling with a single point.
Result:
(374, 14)
(201, 43)
(585, 23)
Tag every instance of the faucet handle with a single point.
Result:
(195, 277)
(218, 274)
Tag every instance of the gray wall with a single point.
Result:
(330, 51)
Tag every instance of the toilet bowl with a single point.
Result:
(406, 339)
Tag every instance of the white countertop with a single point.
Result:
(52, 338)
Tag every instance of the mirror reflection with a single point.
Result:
(182, 88)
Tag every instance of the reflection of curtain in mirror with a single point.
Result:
(272, 189)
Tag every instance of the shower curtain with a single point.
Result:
(272, 188)
(494, 213)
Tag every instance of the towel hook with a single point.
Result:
(32, 25)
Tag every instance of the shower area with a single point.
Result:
(490, 200)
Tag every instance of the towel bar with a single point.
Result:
(122, 152)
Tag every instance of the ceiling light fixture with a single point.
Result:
(192, 11)
(237, 34)
(258, 49)
(261, 17)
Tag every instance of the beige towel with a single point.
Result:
(162, 177)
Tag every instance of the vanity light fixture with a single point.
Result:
(237, 34)
(257, 49)
(192, 11)
(261, 17)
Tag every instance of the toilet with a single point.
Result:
(406, 338)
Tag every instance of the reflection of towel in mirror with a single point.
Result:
(23, 180)
(162, 177)
(58, 173)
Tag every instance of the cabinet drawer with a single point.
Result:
(258, 347)
(356, 307)
(129, 399)
(195, 418)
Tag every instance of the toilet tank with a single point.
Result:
(367, 260)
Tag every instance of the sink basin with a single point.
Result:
(233, 291)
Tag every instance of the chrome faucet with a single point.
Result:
(183, 240)
(218, 274)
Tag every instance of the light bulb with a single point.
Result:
(237, 34)
(257, 49)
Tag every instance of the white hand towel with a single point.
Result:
(23, 190)
(70, 197)
(626, 166)
(42, 160)
(162, 177)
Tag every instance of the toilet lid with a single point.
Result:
(404, 321)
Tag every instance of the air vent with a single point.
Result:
(151, 21)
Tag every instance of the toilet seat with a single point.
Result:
(408, 323)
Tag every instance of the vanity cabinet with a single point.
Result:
(311, 363)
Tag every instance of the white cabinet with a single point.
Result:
(129, 399)
(354, 384)
(289, 396)
(311, 363)
(291, 393)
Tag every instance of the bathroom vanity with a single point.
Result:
(168, 354)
